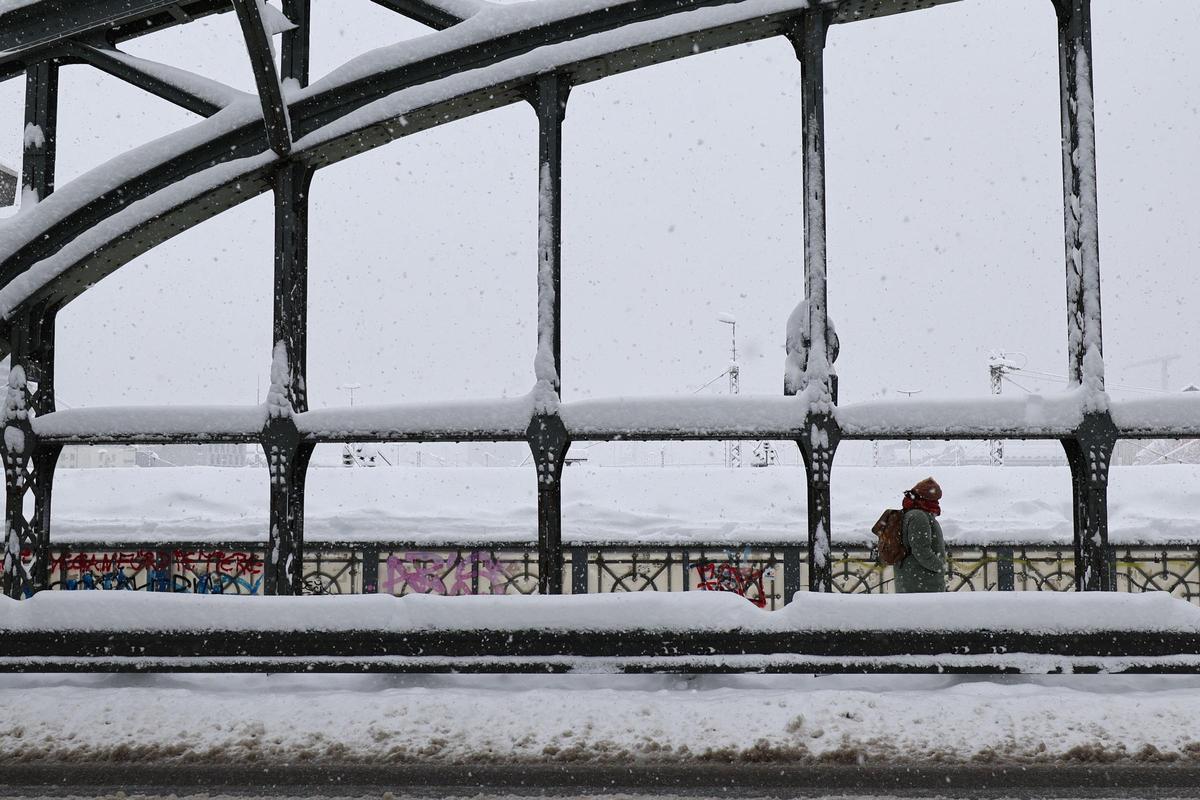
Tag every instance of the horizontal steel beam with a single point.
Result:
(30, 32)
(323, 107)
(627, 649)
(426, 13)
(110, 62)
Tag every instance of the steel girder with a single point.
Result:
(321, 108)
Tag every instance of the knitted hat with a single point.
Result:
(927, 489)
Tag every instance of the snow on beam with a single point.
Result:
(186, 89)
(1029, 416)
(685, 417)
(151, 424)
(340, 131)
(1160, 417)
(29, 28)
(491, 420)
(439, 14)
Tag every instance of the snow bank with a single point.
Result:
(470, 505)
(622, 720)
(1036, 612)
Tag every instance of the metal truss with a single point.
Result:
(69, 241)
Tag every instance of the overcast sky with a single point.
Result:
(682, 200)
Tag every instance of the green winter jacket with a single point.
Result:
(924, 569)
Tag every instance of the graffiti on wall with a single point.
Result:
(455, 573)
(726, 577)
(197, 571)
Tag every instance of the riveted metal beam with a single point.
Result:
(1080, 196)
(106, 60)
(550, 101)
(426, 13)
(294, 61)
(266, 79)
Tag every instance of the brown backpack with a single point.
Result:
(890, 529)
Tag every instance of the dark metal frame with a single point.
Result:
(79, 30)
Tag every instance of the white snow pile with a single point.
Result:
(465, 720)
(472, 505)
(1037, 612)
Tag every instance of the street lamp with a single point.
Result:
(350, 387)
(733, 450)
(909, 393)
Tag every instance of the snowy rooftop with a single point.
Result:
(705, 504)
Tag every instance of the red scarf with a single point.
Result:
(911, 502)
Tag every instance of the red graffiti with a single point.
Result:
(233, 562)
(746, 582)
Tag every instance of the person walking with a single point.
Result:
(924, 569)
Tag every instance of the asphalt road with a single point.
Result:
(576, 781)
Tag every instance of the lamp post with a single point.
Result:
(733, 450)
(909, 393)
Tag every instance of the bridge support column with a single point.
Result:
(547, 436)
(287, 460)
(41, 130)
(28, 465)
(818, 444)
(810, 366)
(1089, 455)
(1081, 218)
(549, 442)
(287, 455)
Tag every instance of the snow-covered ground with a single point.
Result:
(232, 719)
(982, 504)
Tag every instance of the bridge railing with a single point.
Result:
(767, 574)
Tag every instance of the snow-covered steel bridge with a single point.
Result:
(483, 56)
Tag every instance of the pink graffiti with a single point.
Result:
(428, 573)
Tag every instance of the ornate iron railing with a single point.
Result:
(766, 574)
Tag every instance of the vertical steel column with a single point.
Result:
(295, 56)
(41, 129)
(287, 455)
(547, 436)
(808, 38)
(819, 439)
(28, 466)
(1089, 454)
(1080, 210)
(1090, 450)
(818, 444)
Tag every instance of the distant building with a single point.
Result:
(193, 455)
(91, 457)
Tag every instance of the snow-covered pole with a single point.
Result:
(811, 344)
(287, 461)
(28, 466)
(294, 60)
(41, 131)
(288, 456)
(1089, 452)
(547, 436)
(1080, 206)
